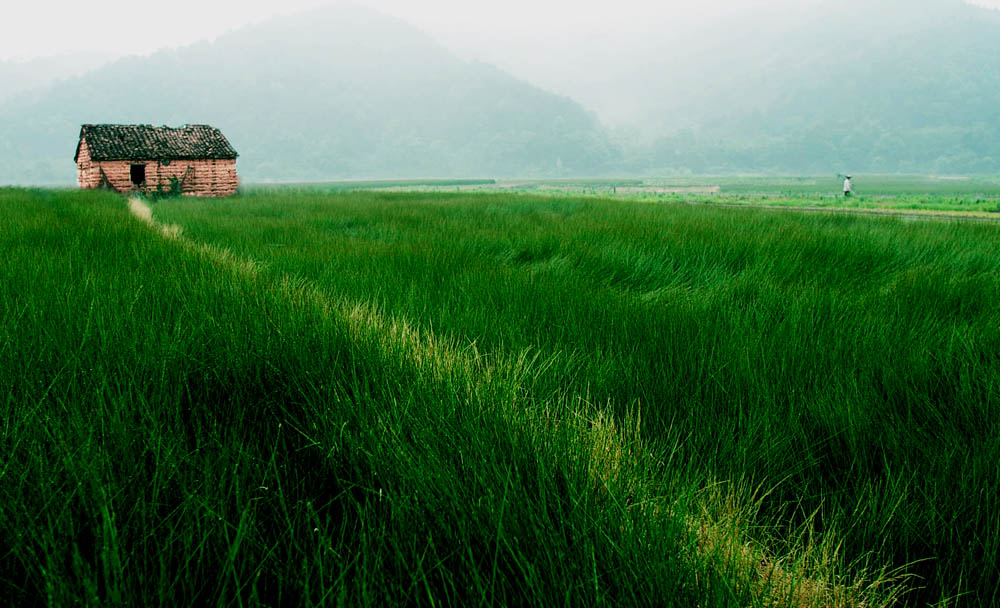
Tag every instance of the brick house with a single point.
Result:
(127, 158)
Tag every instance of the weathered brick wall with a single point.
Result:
(207, 177)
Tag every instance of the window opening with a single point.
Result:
(138, 174)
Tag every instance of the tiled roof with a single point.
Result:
(146, 142)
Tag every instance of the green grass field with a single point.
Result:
(307, 397)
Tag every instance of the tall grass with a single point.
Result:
(184, 423)
(843, 371)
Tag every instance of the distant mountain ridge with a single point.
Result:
(341, 92)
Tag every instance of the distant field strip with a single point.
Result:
(915, 214)
(961, 197)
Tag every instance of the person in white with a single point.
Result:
(847, 185)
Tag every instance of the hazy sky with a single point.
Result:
(45, 27)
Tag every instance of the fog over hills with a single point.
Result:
(887, 86)
(342, 92)
(19, 76)
(346, 92)
(891, 86)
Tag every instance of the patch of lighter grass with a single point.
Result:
(809, 575)
(617, 457)
(144, 213)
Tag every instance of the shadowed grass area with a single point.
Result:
(184, 423)
(846, 367)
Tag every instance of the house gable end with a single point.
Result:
(79, 144)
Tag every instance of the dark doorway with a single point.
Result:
(138, 174)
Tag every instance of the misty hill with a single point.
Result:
(893, 86)
(334, 93)
(890, 86)
(19, 76)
